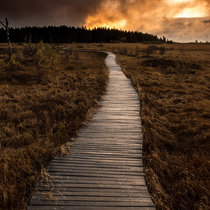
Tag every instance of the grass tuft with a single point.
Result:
(174, 92)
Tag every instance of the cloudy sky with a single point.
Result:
(179, 20)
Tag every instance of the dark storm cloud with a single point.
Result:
(69, 12)
(206, 21)
(186, 29)
(45, 12)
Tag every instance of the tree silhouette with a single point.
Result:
(6, 27)
(65, 34)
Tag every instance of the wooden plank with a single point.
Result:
(92, 198)
(105, 175)
(102, 164)
(103, 131)
(122, 125)
(94, 203)
(117, 146)
(110, 150)
(116, 117)
(98, 179)
(71, 168)
(89, 208)
(95, 186)
(116, 136)
(99, 163)
(108, 143)
(111, 139)
(94, 173)
(105, 158)
(80, 180)
(87, 147)
(109, 154)
(96, 165)
(105, 191)
(96, 193)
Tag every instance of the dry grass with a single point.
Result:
(46, 94)
(43, 104)
(174, 91)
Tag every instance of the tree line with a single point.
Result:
(65, 34)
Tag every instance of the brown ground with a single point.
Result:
(174, 90)
(173, 86)
(46, 94)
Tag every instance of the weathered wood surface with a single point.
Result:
(104, 167)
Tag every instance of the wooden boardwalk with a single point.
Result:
(104, 167)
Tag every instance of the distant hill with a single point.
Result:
(64, 34)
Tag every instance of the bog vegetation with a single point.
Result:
(174, 90)
(46, 94)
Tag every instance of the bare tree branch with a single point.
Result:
(2, 24)
(6, 20)
(6, 26)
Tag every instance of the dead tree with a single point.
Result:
(6, 27)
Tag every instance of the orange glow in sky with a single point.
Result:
(198, 10)
(156, 17)
(91, 23)
(111, 16)
(178, 1)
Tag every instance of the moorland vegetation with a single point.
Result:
(46, 94)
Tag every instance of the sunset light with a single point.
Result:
(178, 1)
(196, 11)
(191, 13)
(94, 22)
(104, 104)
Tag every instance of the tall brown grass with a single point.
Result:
(174, 91)
(46, 94)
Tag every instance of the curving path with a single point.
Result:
(104, 167)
